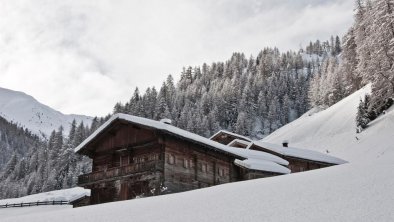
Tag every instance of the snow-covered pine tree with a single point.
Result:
(362, 118)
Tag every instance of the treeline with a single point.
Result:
(250, 96)
(373, 35)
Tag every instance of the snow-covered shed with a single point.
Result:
(135, 157)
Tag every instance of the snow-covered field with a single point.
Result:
(23, 109)
(362, 190)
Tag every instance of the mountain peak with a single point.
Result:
(24, 110)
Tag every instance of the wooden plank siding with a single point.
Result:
(189, 167)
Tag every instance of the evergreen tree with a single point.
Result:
(362, 119)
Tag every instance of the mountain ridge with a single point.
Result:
(27, 112)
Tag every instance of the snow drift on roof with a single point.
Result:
(55, 195)
(258, 155)
(262, 165)
(300, 153)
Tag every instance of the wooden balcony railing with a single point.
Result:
(119, 172)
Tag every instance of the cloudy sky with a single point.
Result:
(82, 56)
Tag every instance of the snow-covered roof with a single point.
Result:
(299, 153)
(258, 155)
(253, 155)
(55, 195)
(243, 142)
(230, 133)
(262, 165)
(77, 197)
(156, 125)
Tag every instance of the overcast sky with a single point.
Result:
(82, 56)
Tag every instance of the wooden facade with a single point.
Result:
(132, 160)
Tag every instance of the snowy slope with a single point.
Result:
(23, 109)
(334, 130)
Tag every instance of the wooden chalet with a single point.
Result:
(225, 137)
(137, 157)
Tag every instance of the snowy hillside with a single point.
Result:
(23, 109)
(334, 130)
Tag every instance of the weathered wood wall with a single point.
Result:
(247, 174)
(188, 166)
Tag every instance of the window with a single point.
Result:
(187, 163)
(153, 157)
(204, 167)
(221, 172)
(171, 159)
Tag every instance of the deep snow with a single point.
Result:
(349, 192)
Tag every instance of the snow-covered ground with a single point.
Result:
(350, 192)
(23, 109)
(361, 190)
(334, 131)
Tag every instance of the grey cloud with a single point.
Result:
(83, 56)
